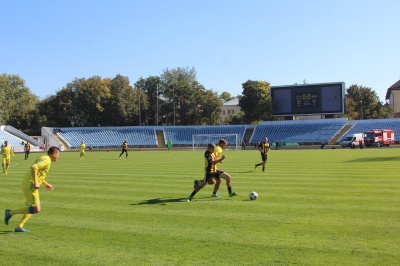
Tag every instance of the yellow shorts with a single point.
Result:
(31, 195)
(6, 161)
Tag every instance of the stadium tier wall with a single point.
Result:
(303, 132)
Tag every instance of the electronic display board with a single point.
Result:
(308, 99)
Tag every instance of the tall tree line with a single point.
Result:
(175, 97)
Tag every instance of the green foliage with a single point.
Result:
(363, 103)
(91, 102)
(256, 101)
(226, 96)
(188, 99)
(235, 119)
(315, 207)
(18, 106)
(151, 86)
(123, 105)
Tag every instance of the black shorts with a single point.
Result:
(212, 175)
(264, 157)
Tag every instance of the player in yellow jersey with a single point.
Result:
(82, 148)
(218, 154)
(222, 144)
(212, 173)
(27, 148)
(6, 151)
(264, 148)
(30, 187)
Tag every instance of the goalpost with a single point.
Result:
(200, 141)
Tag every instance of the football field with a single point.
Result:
(315, 207)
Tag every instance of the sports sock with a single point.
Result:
(20, 211)
(229, 190)
(193, 193)
(24, 219)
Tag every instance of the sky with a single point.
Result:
(50, 43)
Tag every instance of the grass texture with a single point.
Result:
(315, 207)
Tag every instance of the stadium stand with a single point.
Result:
(108, 136)
(307, 131)
(292, 132)
(366, 125)
(12, 140)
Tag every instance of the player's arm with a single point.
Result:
(219, 160)
(12, 152)
(47, 185)
(34, 169)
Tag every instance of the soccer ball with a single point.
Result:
(253, 195)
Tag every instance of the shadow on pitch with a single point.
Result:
(164, 201)
(161, 201)
(242, 172)
(6, 232)
(375, 159)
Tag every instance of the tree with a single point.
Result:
(226, 96)
(123, 105)
(89, 99)
(58, 109)
(186, 101)
(383, 111)
(361, 102)
(152, 88)
(234, 119)
(255, 101)
(18, 105)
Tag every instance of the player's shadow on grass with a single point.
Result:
(242, 172)
(6, 232)
(164, 201)
(375, 159)
(160, 201)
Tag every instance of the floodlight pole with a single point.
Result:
(173, 98)
(140, 112)
(157, 105)
(361, 110)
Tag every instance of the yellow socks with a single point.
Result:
(24, 219)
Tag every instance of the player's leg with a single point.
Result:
(3, 164)
(7, 165)
(126, 155)
(217, 183)
(32, 199)
(264, 162)
(228, 180)
(200, 185)
(197, 182)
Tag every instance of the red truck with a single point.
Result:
(379, 137)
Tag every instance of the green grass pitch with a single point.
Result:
(315, 207)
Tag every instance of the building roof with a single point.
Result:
(234, 101)
(395, 86)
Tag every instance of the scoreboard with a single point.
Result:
(308, 99)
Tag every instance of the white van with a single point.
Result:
(352, 139)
